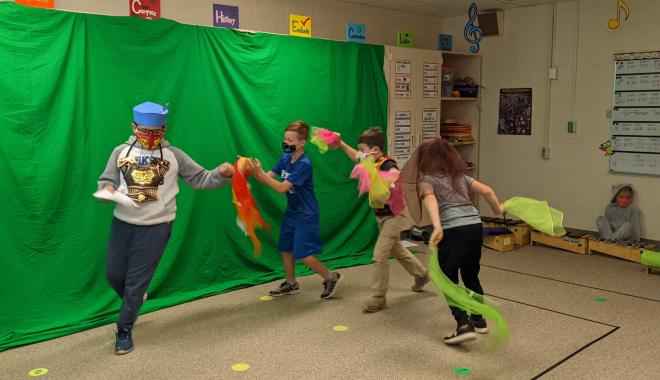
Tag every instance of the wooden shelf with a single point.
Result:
(463, 143)
(449, 52)
(451, 98)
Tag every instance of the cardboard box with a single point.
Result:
(522, 232)
(501, 243)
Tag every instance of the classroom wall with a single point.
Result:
(576, 179)
(329, 17)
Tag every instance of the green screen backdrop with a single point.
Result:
(68, 83)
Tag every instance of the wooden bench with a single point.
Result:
(626, 253)
(566, 243)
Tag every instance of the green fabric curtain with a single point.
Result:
(68, 82)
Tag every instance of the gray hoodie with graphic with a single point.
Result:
(160, 207)
(619, 223)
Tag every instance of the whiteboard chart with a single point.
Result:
(637, 66)
(635, 129)
(640, 163)
(636, 144)
(637, 82)
(636, 114)
(637, 99)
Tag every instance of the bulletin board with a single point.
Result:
(636, 114)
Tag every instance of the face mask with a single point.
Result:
(148, 140)
(623, 202)
(362, 155)
(288, 148)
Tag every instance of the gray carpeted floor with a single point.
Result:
(547, 297)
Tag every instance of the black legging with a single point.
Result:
(460, 250)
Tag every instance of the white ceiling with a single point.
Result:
(447, 8)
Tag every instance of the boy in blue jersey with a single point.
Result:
(299, 234)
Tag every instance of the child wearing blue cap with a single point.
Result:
(145, 168)
(299, 234)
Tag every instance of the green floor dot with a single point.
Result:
(462, 371)
(600, 300)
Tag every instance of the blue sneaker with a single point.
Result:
(124, 342)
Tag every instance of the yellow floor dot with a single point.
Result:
(38, 372)
(240, 367)
(340, 328)
(265, 298)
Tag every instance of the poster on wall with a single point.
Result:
(356, 32)
(225, 16)
(300, 26)
(149, 9)
(37, 3)
(404, 38)
(515, 111)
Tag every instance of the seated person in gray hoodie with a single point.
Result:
(621, 220)
(145, 168)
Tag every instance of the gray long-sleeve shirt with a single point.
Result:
(164, 208)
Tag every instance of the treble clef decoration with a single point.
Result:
(473, 33)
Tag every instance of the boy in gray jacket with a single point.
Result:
(145, 168)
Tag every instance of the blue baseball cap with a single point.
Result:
(150, 114)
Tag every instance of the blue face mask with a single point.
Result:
(288, 148)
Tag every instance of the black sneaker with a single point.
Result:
(123, 342)
(463, 334)
(480, 326)
(329, 286)
(285, 289)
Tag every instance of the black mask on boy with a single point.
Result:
(288, 148)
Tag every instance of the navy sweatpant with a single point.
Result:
(133, 255)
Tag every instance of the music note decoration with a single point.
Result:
(473, 33)
(614, 23)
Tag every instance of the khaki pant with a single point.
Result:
(388, 244)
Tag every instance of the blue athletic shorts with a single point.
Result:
(301, 238)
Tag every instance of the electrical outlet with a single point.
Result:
(552, 73)
(545, 152)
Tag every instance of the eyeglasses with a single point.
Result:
(153, 132)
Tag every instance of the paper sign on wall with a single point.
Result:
(300, 26)
(225, 16)
(149, 9)
(430, 80)
(402, 122)
(402, 79)
(356, 32)
(37, 3)
(404, 38)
